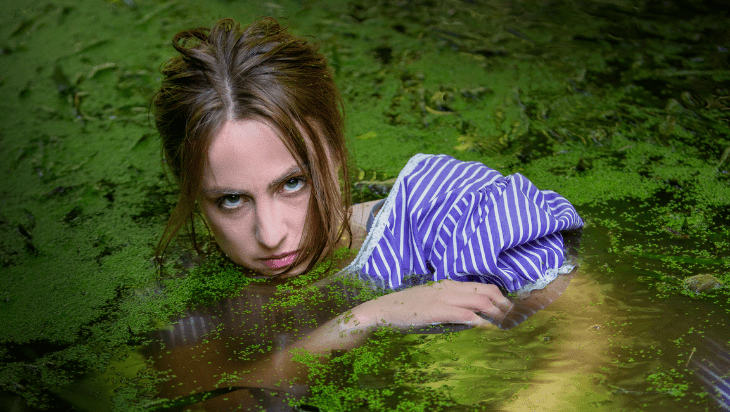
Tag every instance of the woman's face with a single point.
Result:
(255, 198)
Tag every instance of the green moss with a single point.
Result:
(672, 382)
(362, 379)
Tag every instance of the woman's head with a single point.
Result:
(229, 90)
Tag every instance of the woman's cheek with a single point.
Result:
(299, 211)
(226, 232)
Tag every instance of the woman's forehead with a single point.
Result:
(246, 153)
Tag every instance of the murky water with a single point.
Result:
(609, 342)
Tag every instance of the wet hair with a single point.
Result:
(264, 73)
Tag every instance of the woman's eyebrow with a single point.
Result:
(292, 172)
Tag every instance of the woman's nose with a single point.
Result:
(270, 228)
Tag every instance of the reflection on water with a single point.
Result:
(712, 367)
(215, 347)
(608, 343)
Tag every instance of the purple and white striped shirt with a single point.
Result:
(448, 219)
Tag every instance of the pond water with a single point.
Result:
(607, 343)
(620, 106)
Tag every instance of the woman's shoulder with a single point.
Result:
(437, 163)
(361, 213)
(443, 173)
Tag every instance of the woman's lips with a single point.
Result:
(281, 261)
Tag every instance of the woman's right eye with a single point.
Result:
(230, 201)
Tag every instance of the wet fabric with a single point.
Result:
(448, 219)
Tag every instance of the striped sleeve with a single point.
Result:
(448, 219)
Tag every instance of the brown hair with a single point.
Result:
(259, 72)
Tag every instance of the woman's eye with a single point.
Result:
(294, 185)
(230, 201)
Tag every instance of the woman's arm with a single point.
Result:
(440, 302)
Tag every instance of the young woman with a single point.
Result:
(252, 130)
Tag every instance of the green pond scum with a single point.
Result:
(621, 106)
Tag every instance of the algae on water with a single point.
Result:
(621, 106)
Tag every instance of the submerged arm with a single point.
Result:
(440, 302)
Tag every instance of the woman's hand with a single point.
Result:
(446, 301)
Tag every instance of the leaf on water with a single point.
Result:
(101, 68)
(147, 17)
(80, 48)
(437, 112)
(367, 136)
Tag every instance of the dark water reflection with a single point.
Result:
(234, 337)
(608, 343)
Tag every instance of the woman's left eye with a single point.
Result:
(294, 184)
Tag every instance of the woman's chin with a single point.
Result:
(295, 271)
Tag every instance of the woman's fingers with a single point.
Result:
(496, 296)
(461, 302)
(470, 318)
(478, 297)
(474, 302)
